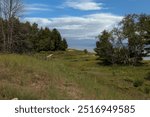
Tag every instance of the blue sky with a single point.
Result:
(81, 19)
(119, 7)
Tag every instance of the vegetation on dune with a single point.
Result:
(51, 71)
(70, 75)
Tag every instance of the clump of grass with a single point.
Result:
(147, 90)
(9, 91)
(147, 76)
(113, 73)
(138, 82)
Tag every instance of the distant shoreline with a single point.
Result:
(146, 58)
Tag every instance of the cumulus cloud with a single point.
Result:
(85, 27)
(84, 5)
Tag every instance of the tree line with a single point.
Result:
(126, 43)
(28, 37)
(19, 37)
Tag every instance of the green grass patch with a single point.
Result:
(70, 75)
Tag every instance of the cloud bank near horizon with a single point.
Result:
(73, 27)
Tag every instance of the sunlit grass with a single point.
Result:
(69, 75)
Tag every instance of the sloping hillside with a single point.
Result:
(70, 75)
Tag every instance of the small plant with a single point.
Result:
(114, 73)
(147, 90)
(147, 76)
(85, 51)
(138, 82)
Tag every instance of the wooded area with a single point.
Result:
(127, 43)
(19, 37)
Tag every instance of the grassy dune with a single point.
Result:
(70, 75)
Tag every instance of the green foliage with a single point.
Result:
(148, 76)
(28, 37)
(64, 44)
(57, 39)
(85, 51)
(104, 48)
(147, 89)
(138, 82)
(134, 30)
(68, 75)
(144, 27)
(131, 31)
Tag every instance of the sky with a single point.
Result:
(81, 19)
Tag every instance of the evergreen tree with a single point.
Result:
(135, 29)
(56, 37)
(64, 44)
(1, 37)
(20, 43)
(104, 48)
(33, 35)
(29, 38)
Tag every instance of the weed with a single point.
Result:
(148, 76)
(138, 82)
(147, 90)
(69, 75)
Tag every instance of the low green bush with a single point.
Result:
(138, 82)
(85, 51)
(147, 76)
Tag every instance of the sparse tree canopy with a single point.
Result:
(125, 44)
(9, 10)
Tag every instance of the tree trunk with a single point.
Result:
(4, 36)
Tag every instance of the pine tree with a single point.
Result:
(29, 38)
(104, 48)
(64, 44)
(56, 37)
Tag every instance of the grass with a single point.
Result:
(70, 75)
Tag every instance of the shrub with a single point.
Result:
(147, 90)
(85, 51)
(147, 76)
(138, 82)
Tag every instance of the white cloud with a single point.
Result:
(84, 5)
(85, 27)
(36, 7)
